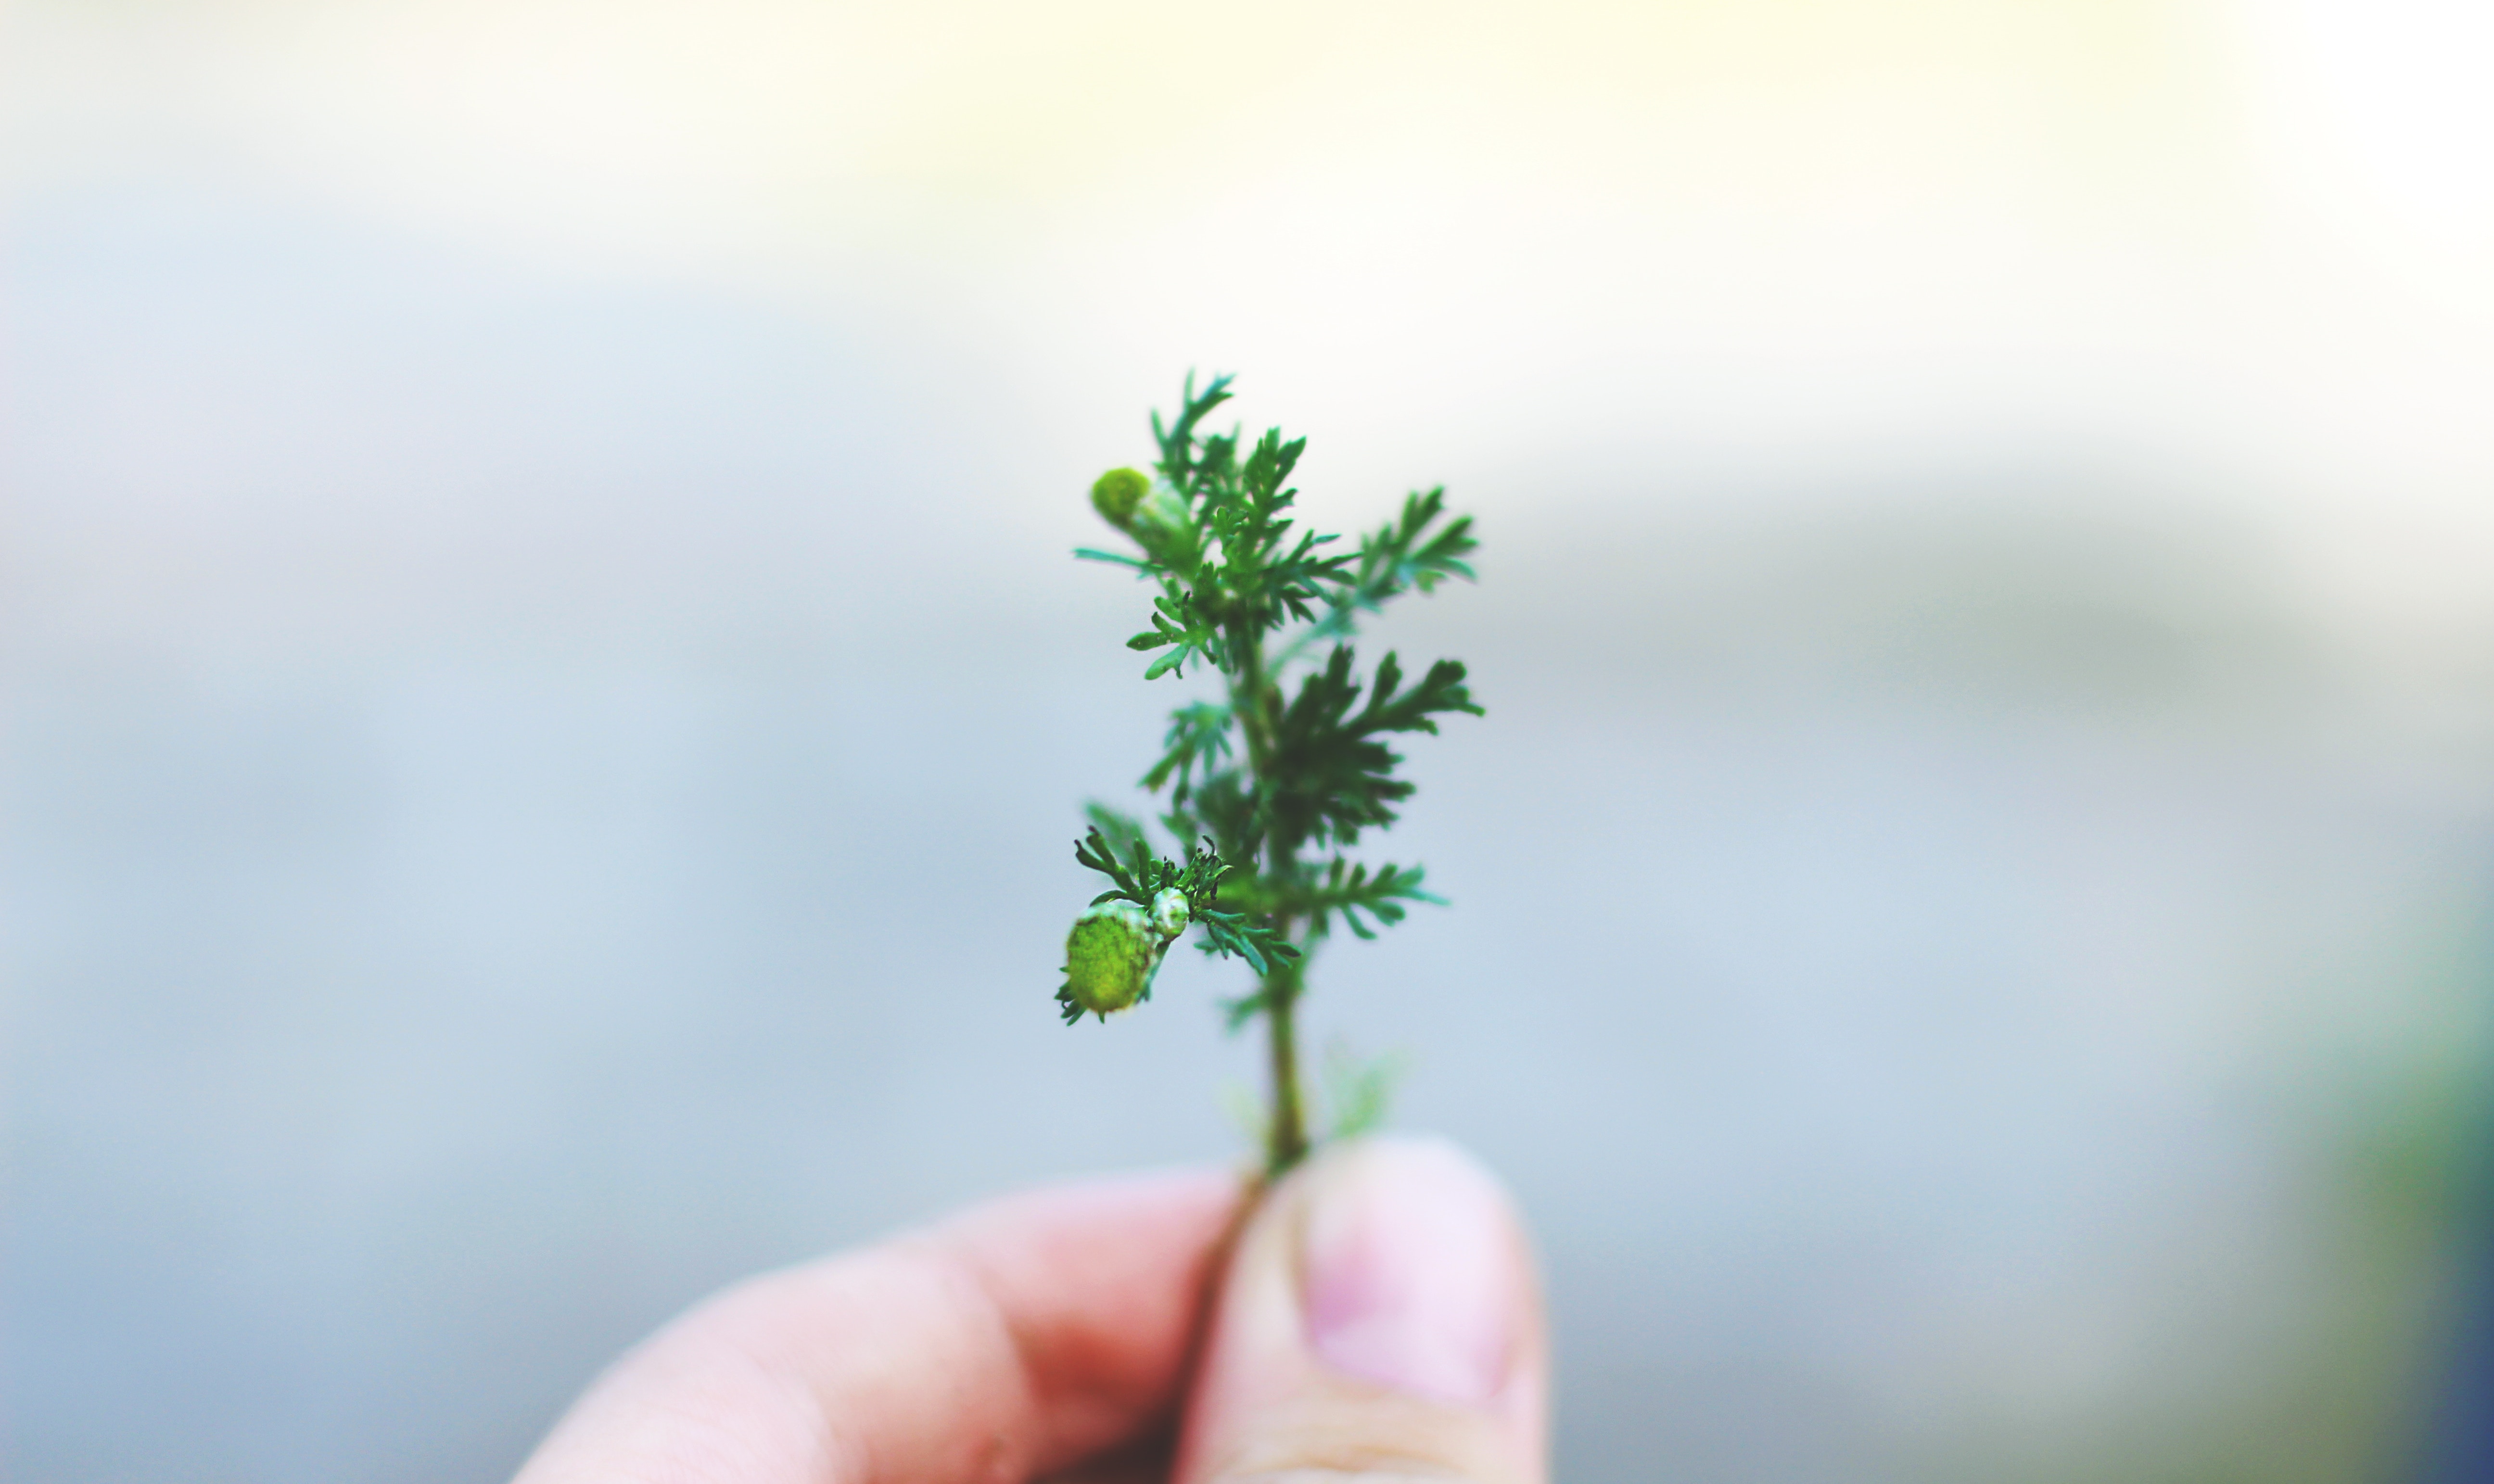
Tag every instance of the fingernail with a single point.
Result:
(1410, 1275)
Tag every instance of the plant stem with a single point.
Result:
(1287, 1134)
(1285, 1141)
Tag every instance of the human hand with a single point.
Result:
(1375, 1320)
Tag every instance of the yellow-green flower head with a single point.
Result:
(1116, 493)
(1156, 518)
(1116, 947)
(1110, 956)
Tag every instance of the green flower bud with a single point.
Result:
(1156, 519)
(1110, 956)
(1118, 492)
(1116, 947)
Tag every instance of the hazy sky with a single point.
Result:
(2255, 241)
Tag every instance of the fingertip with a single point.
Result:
(1381, 1307)
(1410, 1274)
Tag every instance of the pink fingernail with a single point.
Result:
(1411, 1272)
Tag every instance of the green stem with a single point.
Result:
(1286, 1139)
(1247, 701)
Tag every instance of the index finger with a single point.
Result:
(1011, 1341)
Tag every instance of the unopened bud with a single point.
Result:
(1156, 519)
(1116, 493)
(1110, 956)
(1116, 948)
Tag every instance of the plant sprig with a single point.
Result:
(1267, 772)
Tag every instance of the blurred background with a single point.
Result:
(545, 702)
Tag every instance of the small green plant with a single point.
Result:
(1269, 785)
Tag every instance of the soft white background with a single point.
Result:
(546, 705)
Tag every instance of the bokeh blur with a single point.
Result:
(546, 702)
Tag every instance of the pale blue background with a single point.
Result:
(526, 801)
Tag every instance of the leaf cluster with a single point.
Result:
(1341, 887)
(1235, 572)
(1350, 888)
(1197, 740)
(1139, 877)
(1404, 555)
(1331, 775)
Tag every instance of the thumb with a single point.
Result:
(1380, 1322)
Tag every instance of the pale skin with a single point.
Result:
(1374, 1317)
